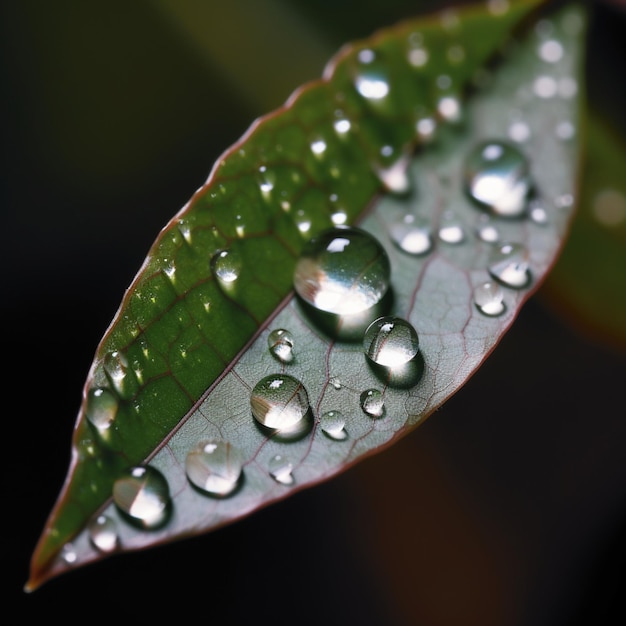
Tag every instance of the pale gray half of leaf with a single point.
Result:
(533, 101)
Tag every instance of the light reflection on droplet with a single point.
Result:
(103, 533)
(550, 51)
(214, 467)
(489, 298)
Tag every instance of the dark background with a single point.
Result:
(508, 507)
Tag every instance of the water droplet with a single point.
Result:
(538, 214)
(425, 128)
(116, 367)
(489, 298)
(279, 402)
(280, 343)
(370, 76)
(142, 493)
(488, 233)
(550, 51)
(449, 108)
(344, 271)
(372, 402)
(103, 533)
(68, 553)
(267, 181)
(280, 469)
(411, 234)
(336, 382)
(509, 265)
(101, 409)
(450, 230)
(333, 425)
(395, 177)
(497, 176)
(214, 467)
(318, 147)
(519, 131)
(342, 126)
(391, 342)
(545, 87)
(226, 266)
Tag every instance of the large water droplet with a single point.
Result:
(497, 176)
(411, 234)
(279, 402)
(103, 533)
(142, 493)
(280, 343)
(101, 409)
(215, 467)
(333, 425)
(489, 298)
(226, 267)
(344, 272)
(280, 469)
(509, 265)
(391, 342)
(372, 402)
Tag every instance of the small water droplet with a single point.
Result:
(450, 230)
(214, 467)
(142, 493)
(103, 533)
(279, 402)
(372, 402)
(116, 366)
(395, 177)
(509, 265)
(101, 409)
(280, 343)
(489, 299)
(425, 128)
(538, 214)
(487, 232)
(318, 147)
(226, 267)
(550, 51)
(449, 107)
(342, 126)
(280, 469)
(519, 131)
(545, 87)
(370, 76)
(497, 176)
(391, 342)
(343, 270)
(411, 234)
(333, 425)
(336, 382)
(68, 553)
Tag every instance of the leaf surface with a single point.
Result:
(380, 141)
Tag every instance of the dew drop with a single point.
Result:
(489, 299)
(280, 469)
(497, 176)
(280, 343)
(101, 409)
(333, 425)
(550, 51)
(425, 128)
(214, 467)
(335, 381)
(142, 493)
(370, 77)
(68, 554)
(226, 266)
(538, 214)
(450, 230)
(545, 87)
(487, 232)
(509, 265)
(390, 342)
(449, 108)
(411, 234)
(372, 402)
(279, 402)
(344, 271)
(116, 366)
(519, 131)
(395, 177)
(103, 533)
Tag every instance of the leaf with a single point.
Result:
(592, 295)
(181, 359)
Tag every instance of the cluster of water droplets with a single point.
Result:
(343, 282)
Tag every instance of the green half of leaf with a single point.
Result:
(216, 391)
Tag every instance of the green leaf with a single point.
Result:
(182, 356)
